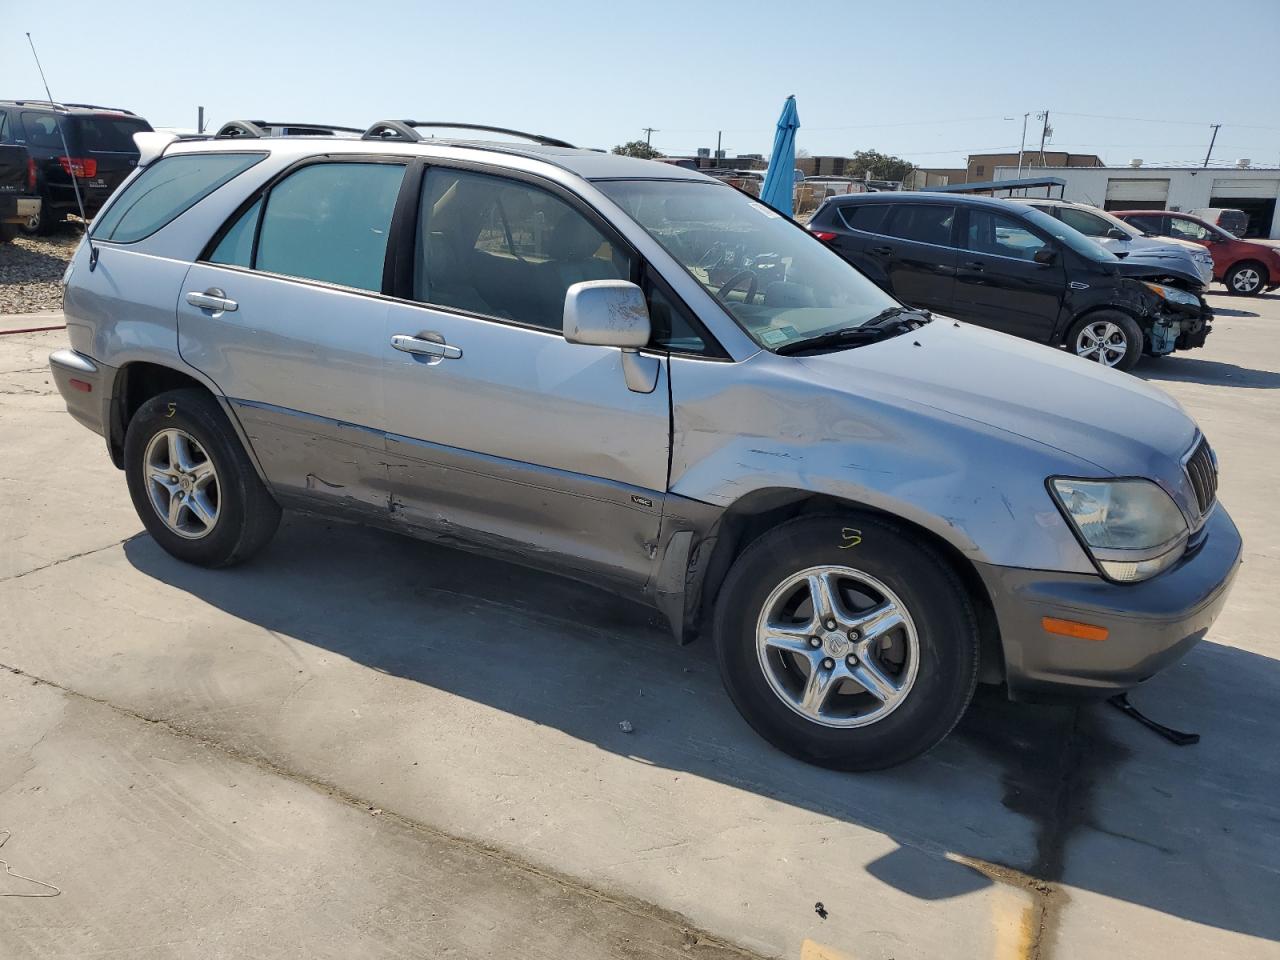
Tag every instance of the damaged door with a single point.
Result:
(281, 316)
(501, 434)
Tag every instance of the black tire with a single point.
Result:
(939, 606)
(1133, 340)
(247, 515)
(1246, 279)
(8, 231)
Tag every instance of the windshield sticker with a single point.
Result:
(779, 334)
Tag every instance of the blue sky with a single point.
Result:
(931, 81)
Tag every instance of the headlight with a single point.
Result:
(1173, 294)
(1132, 528)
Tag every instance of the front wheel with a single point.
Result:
(1108, 337)
(192, 483)
(846, 641)
(1246, 279)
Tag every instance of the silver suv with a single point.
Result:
(639, 377)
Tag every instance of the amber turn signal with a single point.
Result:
(1073, 628)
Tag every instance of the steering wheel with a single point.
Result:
(736, 279)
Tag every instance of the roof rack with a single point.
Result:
(258, 129)
(407, 130)
(56, 105)
(98, 106)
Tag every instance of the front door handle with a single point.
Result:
(212, 299)
(976, 265)
(425, 348)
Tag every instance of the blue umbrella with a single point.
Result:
(780, 181)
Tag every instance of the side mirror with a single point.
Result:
(1115, 233)
(1046, 256)
(613, 313)
(606, 313)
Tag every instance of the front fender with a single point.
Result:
(979, 488)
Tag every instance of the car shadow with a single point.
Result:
(578, 660)
(1230, 312)
(1216, 373)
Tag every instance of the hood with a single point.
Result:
(1145, 265)
(1121, 424)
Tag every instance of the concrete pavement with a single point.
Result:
(477, 706)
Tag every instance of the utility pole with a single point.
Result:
(1212, 140)
(1022, 144)
(649, 132)
(199, 119)
(1045, 132)
(719, 133)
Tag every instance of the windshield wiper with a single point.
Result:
(887, 323)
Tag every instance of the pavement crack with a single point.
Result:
(691, 934)
(74, 556)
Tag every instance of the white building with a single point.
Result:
(1251, 189)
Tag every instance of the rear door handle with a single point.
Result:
(882, 251)
(425, 348)
(973, 265)
(212, 299)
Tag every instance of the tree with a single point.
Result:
(637, 148)
(881, 165)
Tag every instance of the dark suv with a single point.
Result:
(1015, 269)
(98, 152)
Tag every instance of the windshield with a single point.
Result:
(1069, 236)
(776, 280)
(107, 134)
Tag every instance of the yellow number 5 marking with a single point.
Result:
(851, 538)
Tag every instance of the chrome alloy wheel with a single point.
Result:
(1102, 341)
(837, 646)
(182, 483)
(1246, 280)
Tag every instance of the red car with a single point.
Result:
(1247, 268)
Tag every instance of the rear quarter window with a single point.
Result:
(167, 189)
(865, 216)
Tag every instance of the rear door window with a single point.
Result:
(922, 223)
(165, 190)
(868, 217)
(1153, 224)
(329, 222)
(41, 129)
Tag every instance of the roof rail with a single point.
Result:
(407, 130)
(57, 105)
(266, 128)
(240, 128)
(98, 106)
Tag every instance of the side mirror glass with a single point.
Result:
(1046, 255)
(606, 313)
(1115, 233)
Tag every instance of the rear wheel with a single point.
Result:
(846, 642)
(1246, 279)
(192, 483)
(43, 224)
(1108, 337)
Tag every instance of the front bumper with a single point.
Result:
(85, 385)
(1151, 624)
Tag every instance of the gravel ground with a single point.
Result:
(31, 270)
